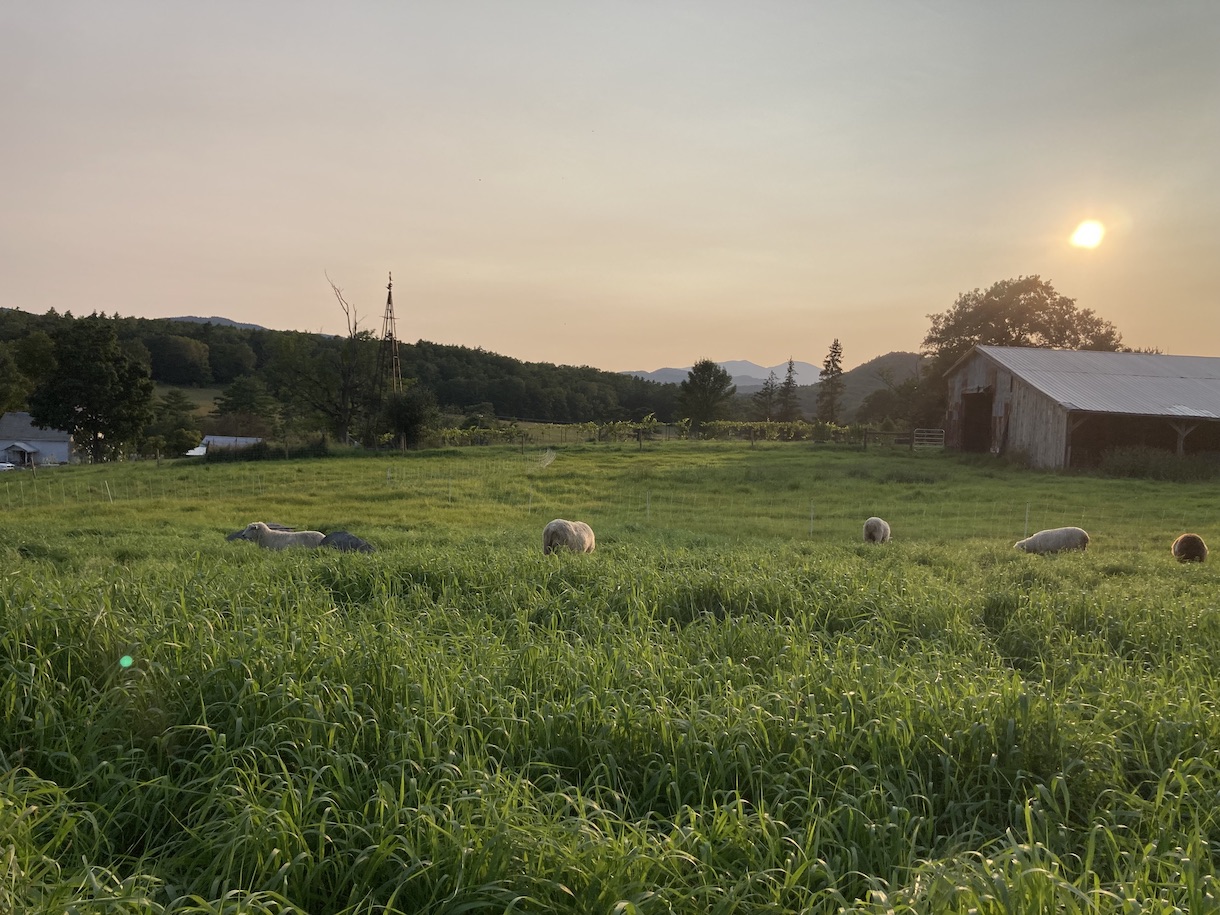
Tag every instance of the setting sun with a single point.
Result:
(1088, 234)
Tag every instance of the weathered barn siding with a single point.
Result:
(1020, 418)
(1037, 426)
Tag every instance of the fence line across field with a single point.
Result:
(802, 515)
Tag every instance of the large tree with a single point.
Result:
(333, 378)
(35, 355)
(1026, 311)
(830, 384)
(96, 393)
(410, 413)
(13, 384)
(706, 393)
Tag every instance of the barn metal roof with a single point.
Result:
(1135, 384)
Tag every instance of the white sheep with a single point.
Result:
(572, 535)
(270, 538)
(876, 530)
(1189, 548)
(1054, 541)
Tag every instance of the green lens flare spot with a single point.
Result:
(126, 661)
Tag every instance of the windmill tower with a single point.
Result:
(389, 369)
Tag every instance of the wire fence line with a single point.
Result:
(520, 488)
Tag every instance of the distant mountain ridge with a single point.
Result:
(745, 374)
(892, 368)
(226, 322)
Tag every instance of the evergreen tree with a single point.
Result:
(247, 395)
(245, 408)
(830, 385)
(764, 399)
(175, 426)
(788, 406)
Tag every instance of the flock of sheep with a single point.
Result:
(1186, 548)
(577, 537)
(278, 537)
(559, 534)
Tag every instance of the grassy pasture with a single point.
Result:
(203, 398)
(734, 705)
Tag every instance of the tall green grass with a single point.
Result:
(734, 705)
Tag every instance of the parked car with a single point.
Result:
(5, 465)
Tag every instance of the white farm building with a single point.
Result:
(1065, 408)
(24, 444)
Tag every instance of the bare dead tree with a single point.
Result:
(349, 311)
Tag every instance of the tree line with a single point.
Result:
(1026, 311)
(95, 377)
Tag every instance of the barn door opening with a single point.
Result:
(976, 421)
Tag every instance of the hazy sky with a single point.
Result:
(627, 185)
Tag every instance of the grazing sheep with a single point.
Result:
(1189, 548)
(272, 538)
(876, 531)
(1054, 541)
(345, 542)
(572, 535)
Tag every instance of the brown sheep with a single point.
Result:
(1189, 548)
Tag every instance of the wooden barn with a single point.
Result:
(1066, 408)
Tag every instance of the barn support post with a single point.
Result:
(1183, 430)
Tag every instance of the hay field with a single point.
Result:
(734, 705)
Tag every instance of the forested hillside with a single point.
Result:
(288, 385)
(330, 375)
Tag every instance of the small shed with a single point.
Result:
(1066, 408)
(24, 444)
(218, 442)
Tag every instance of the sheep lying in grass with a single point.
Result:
(570, 535)
(876, 531)
(345, 542)
(241, 535)
(276, 538)
(1055, 540)
(1189, 548)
